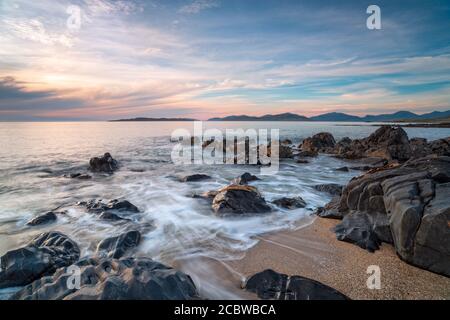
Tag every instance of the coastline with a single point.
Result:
(314, 252)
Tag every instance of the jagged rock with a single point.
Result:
(117, 247)
(111, 279)
(387, 142)
(239, 199)
(245, 179)
(440, 147)
(285, 152)
(290, 203)
(106, 164)
(41, 257)
(321, 142)
(343, 146)
(43, 219)
(269, 284)
(98, 206)
(331, 210)
(331, 188)
(195, 178)
(407, 205)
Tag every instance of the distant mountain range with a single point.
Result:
(337, 116)
(333, 116)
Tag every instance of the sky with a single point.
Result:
(212, 58)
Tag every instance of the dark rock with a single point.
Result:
(357, 228)
(106, 164)
(387, 142)
(117, 247)
(239, 199)
(308, 153)
(302, 161)
(407, 205)
(111, 279)
(43, 219)
(286, 142)
(331, 188)
(285, 152)
(321, 142)
(269, 284)
(41, 257)
(195, 178)
(79, 176)
(98, 206)
(361, 168)
(245, 179)
(290, 203)
(111, 216)
(331, 210)
(343, 169)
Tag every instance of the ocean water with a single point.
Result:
(175, 226)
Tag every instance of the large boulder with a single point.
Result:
(269, 284)
(239, 199)
(105, 163)
(41, 257)
(388, 142)
(407, 205)
(117, 247)
(321, 142)
(111, 279)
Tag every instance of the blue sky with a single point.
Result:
(205, 58)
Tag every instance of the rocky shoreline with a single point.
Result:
(400, 200)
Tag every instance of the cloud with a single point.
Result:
(199, 5)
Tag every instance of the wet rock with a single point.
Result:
(308, 153)
(79, 176)
(112, 279)
(41, 257)
(245, 179)
(407, 205)
(321, 142)
(286, 142)
(109, 216)
(285, 152)
(117, 247)
(290, 203)
(388, 142)
(343, 146)
(361, 168)
(357, 228)
(43, 219)
(106, 164)
(98, 206)
(440, 147)
(239, 199)
(269, 284)
(302, 161)
(195, 178)
(331, 188)
(331, 210)
(343, 169)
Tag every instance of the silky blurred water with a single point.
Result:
(35, 156)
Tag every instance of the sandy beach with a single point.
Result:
(312, 251)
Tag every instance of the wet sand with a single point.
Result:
(312, 251)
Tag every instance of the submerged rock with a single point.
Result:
(117, 247)
(41, 257)
(331, 188)
(239, 199)
(245, 179)
(106, 164)
(290, 203)
(112, 279)
(43, 219)
(269, 284)
(79, 176)
(343, 169)
(195, 178)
